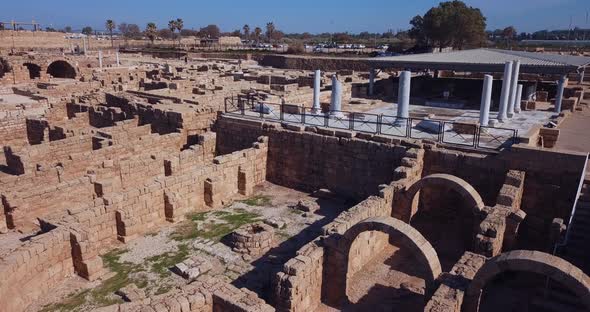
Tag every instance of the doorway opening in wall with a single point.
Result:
(34, 70)
(445, 220)
(388, 279)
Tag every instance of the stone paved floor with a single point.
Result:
(574, 132)
(420, 129)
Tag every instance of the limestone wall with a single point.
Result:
(548, 192)
(34, 268)
(313, 63)
(315, 159)
(300, 286)
(451, 292)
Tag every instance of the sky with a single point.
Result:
(314, 16)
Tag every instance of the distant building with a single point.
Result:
(224, 40)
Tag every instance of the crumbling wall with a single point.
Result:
(449, 295)
(199, 186)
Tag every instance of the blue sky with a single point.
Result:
(291, 16)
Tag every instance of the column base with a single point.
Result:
(337, 114)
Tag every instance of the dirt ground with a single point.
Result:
(148, 260)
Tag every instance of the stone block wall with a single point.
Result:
(34, 268)
(549, 191)
(316, 158)
(484, 172)
(13, 132)
(202, 186)
(298, 287)
(204, 295)
(449, 295)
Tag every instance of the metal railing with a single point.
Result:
(448, 132)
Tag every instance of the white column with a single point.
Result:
(486, 100)
(118, 60)
(513, 87)
(371, 81)
(336, 100)
(559, 97)
(582, 76)
(403, 97)
(316, 107)
(504, 97)
(85, 45)
(100, 58)
(518, 102)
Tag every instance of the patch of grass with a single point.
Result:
(220, 213)
(197, 216)
(103, 294)
(141, 281)
(71, 303)
(258, 200)
(215, 231)
(163, 289)
(161, 263)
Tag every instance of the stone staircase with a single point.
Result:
(576, 250)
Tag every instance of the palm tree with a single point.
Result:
(172, 27)
(110, 25)
(246, 31)
(257, 33)
(151, 31)
(270, 29)
(179, 26)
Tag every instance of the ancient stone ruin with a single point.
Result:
(137, 182)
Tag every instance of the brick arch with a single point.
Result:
(61, 68)
(398, 231)
(467, 192)
(567, 274)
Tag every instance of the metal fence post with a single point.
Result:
(243, 106)
(303, 115)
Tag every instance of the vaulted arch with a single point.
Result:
(531, 261)
(400, 232)
(61, 69)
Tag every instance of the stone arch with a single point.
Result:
(561, 271)
(61, 69)
(336, 267)
(467, 192)
(34, 70)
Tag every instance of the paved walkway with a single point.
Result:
(574, 132)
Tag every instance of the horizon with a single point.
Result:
(319, 18)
